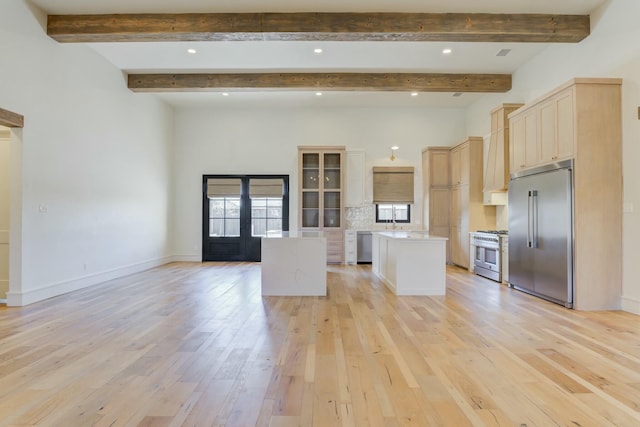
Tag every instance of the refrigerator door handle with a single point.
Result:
(534, 225)
(529, 220)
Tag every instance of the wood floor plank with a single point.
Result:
(196, 344)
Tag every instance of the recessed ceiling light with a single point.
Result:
(225, 94)
(503, 52)
(318, 93)
(457, 94)
(191, 50)
(414, 93)
(447, 51)
(317, 50)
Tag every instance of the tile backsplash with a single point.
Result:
(362, 217)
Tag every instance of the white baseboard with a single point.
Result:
(55, 289)
(631, 305)
(4, 287)
(186, 258)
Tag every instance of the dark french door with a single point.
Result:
(237, 212)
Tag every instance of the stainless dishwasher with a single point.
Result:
(364, 247)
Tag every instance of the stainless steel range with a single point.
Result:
(486, 259)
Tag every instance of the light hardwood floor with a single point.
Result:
(197, 345)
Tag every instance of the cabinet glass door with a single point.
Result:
(332, 209)
(331, 171)
(310, 189)
(310, 208)
(332, 193)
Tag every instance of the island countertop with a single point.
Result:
(294, 264)
(410, 262)
(408, 234)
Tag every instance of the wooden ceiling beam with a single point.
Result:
(11, 119)
(391, 82)
(453, 27)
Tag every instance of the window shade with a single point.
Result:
(224, 187)
(265, 187)
(393, 184)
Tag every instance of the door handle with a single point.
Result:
(529, 220)
(534, 225)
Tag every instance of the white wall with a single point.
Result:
(612, 50)
(95, 163)
(261, 141)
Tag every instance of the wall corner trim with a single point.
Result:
(631, 305)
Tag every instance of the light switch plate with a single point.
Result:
(627, 207)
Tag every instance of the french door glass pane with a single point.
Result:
(258, 208)
(216, 207)
(232, 207)
(258, 227)
(266, 216)
(216, 227)
(274, 225)
(224, 217)
(232, 227)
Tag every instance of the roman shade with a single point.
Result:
(224, 187)
(269, 187)
(393, 184)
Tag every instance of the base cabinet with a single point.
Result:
(335, 246)
(504, 258)
(350, 247)
(410, 264)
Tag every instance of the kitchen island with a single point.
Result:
(410, 262)
(294, 264)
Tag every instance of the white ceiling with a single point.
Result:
(299, 56)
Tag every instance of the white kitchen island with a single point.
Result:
(410, 262)
(294, 264)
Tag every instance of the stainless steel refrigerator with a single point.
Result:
(541, 232)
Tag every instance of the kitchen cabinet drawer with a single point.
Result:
(350, 247)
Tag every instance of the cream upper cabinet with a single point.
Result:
(355, 178)
(524, 141)
(436, 191)
(467, 210)
(439, 167)
(543, 132)
(459, 159)
(557, 128)
(565, 125)
(496, 170)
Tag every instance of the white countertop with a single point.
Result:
(296, 234)
(415, 235)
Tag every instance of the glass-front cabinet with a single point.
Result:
(321, 194)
